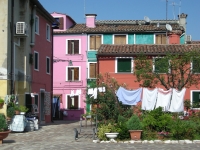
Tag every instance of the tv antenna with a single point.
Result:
(174, 4)
(84, 9)
(179, 7)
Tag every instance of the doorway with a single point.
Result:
(42, 107)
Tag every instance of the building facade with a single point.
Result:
(26, 54)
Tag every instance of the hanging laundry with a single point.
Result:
(163, 99)
(177, 102)
(90, 91)
(78, 92)
(72, 93)
(149, 98)
(94, 93)
(128, 97)
(102, 89)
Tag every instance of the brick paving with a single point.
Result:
(60, 136)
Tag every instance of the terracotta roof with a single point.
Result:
(112, 50)
(195, 42)
(119, 28)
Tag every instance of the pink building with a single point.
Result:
(69, 74)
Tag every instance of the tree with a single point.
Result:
(170, 70)
(109, 108)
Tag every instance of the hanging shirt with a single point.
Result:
(78, 92)
(177, 102)
(149, 98)
(94, 93)
(72, 93)
(128, 97)
(163, 99)
(102, 89)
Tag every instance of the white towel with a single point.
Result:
(149, 99)
(177, 101)
(90, 91)
(163, 99)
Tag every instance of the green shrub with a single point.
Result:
(10, 112)
(134, 123)
(3, 124)
(23, 108)
(123, 133)
(1, 101)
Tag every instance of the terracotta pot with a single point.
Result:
(17, 112)
(3, 135)
(1, 105)
(135, 134)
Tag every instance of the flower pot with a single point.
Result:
(135, 134)
(111, 136)
(1, 105)
(3, 135)
(17, 112)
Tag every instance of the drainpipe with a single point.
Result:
(33, 26)
(12, 49)
(52, 75)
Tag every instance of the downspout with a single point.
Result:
(52, 75)
(33, 26)
(12, 48)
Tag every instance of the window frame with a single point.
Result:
(95, 43)
(67, 53)
(66, 104)
(37, 25)
(48, 66)
(120, 34)
(48, 32)
(67, 73)
(36, 68)
(153, 70)
(191, 98)
(116, 64)
(89, 69)
(166, 40)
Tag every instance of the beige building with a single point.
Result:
(17, 40)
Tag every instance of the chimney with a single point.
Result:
(90, 20)
(182, 20)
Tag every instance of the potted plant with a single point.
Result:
(134, 126)
(23, 109)
(10, 113)
(1, 103)
(17, 110)
(4, 131)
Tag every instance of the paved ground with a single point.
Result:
(60, 136)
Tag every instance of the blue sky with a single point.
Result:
(130, 10)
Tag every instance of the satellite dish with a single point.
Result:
(146, 19)
(168, 27)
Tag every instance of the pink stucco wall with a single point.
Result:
(60, 85)
(67, 22)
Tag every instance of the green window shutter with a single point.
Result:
(196, 65)
(124, 65)
(195, 99)
(161, 65)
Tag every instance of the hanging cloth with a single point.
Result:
(94, 95)
(128, 97)
(90, 91)
(163, 99)
(177, 101)
(149, 98)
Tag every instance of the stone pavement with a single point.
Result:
(60, 136)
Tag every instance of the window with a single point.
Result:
(37, 24)
(161, 65)
(73, 46)
(195, 98)
(119, 39)
(36, 60)
(48, 32)
(124, 65)
(95, 42)
(73, 74)
(72, 102)
(195, 65)
(92, 70)
(160, 39)
(48, 65)
(58, 24)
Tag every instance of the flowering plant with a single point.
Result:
(163, 133)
